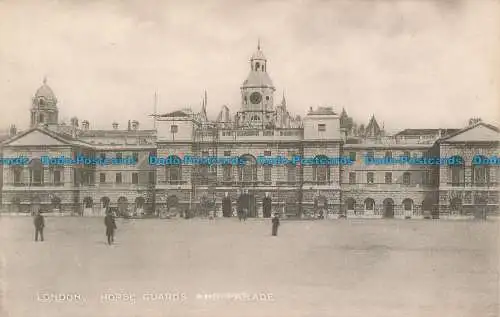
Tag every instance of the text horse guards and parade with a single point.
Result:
(261, 159)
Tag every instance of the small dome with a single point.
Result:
(45, 92)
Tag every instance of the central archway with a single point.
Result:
(122, 206)
(227, 210)
(266, 207)
(247, 201)
(388, 208)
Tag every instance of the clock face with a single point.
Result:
(255, 98)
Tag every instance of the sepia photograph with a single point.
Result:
(285, 158)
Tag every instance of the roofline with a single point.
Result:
(492, 127)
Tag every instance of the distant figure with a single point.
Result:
(240, 214)
(109, 222)
(39, 223)
(276, 224)
(245, 214)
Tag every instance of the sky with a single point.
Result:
(413, 64)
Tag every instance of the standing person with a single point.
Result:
(276, 224)
(245, 214)
(109, 222)
(39, 223)
(240, 214)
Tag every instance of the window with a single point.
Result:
(227, 172)
(17, 174)
(426, 178)
(388, 155)
(204, 153)
(57, 177)
(406, 178)
(291, 173)
(135, 156)
(369, 204)
(151, 177)
(118, 156)
(227, 153)
(135, 178)
(352, 178)
(388, 178)
(370, 155)
(407, 154)
(352, 156)
(102, 178)
(174, 129)
(118, 178)
(370, 179)
(267, 173)
(41, 117)
(267, 97)
(267, 153)
(321, 127)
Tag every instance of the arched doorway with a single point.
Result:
(351, 206)
(35, 204)
(388, 208)
(369, 206)
(247, 201)
(267, 207)
(16, 205)
(408, 207)
(172, 203)
(427, 208)
(105, 202)
(456, 206)
(87, 206)
(122, 206)
(227, 210)
(56, 204)
(291, 206)
(139, 206)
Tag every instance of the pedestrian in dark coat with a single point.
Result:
(276, 224)
(39, 223)
(109, 222)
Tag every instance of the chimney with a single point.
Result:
(135, 125)
(129, 127)
(13, 130)
(115, 126)
(85, 125)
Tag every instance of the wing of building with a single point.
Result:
(157, 173)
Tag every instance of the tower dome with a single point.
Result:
(45, 92)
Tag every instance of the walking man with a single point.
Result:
(276, 224)
(39, 223)
(109, 222)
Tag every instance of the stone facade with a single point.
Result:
(258, 129)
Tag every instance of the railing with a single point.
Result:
(472, 184)
(173, 182)
(34, 184)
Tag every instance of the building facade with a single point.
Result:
(261, 128)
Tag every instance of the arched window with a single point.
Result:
(227, 171)
(248, 171)
(457, 172)
(173, 172)
(480, 171)
(17, 174)
(369, 204)
(321, 171)
(36, 172)
(257, 66)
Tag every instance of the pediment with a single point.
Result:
(36, 138)
(479, 133)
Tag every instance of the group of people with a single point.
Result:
(110, 224)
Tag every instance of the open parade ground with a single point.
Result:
(223, 267)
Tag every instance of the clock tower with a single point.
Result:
(257, 94)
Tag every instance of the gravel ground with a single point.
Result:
(318, 268)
